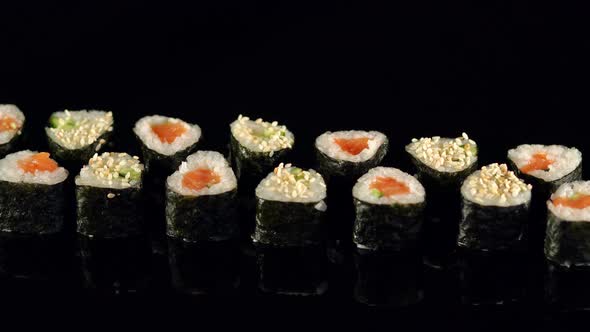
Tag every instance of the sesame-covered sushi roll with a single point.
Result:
(495, 209)
(350, 153)
(389, 205)
(12, 121)
(31, 193)
(166, 141)
(567, 240)
(546, 166)
(290, 207)
(74, 136)
(257, 146)
(108, 192)
(201, 199)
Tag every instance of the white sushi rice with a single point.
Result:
(143, 129)
(363, 192)
(495, 185)
(11, 111)
(88, 127)
(327, 145)
(292, 184)
(568, 190)
(9, 171)
(261, 136)
(565, 160)
(442, 154)
(211, 160)
(111, 170)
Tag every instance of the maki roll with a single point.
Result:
(257, 146)
(567, 240)
(546, 166)
(31, 193)
(290, 207)
(350, 153)
(12, 121)
(74, 136)
(108, 192)
(165, 141)
(495, 209)
(201, 199)
(389, 208)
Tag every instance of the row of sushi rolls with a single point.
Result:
(290, 210)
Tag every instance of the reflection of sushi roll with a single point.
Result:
(201, 199)
(290, 209)
(495, 209)
(257, 146)
(31, 193)
(389, 205)
(546, 166)
(74, 136)
(350, 153)
(12, 121)
(444, 160)
(166, 141)
(567, 240)
(108, 191)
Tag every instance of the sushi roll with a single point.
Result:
(290, 208)
(495, 209)
(546, 166)
(166, 141)
(567, 240)
(257, 146)
(74, 136)
(350, 153)
(108, 193)
(31, 193)
(389, 208)
(12, 121)
(201, 199)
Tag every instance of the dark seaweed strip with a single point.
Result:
(159, 164)
(567, 243)
(201, 218)
(387, 227)
(11, 145)
(73, 158)
(104, 217)
(442, 179)
(288, 224)
(329, 167)
(31, 208)
(492, 227)
(257, 165)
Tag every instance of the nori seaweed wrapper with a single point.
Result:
(429, 176)
(159, 164)
(287, 224)
(330, 167)
(567, 243)
(546, 188)
(13, 144)
(202, 218)
(492, 227)
(74, 158)
(255, 165)
(387, 227)
(100, 216)
(30, 208)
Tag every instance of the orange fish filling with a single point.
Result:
(7, 123)
(578, 201)
(538, 162)
(353, 146)
(200, 178)
(388, 186)
(38, 162)
(168, 132)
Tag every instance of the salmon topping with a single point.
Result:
(168, 132)
(39, 162)
(7, 123)
(578, 201)
(538, 162)
(200, 178)
(353, 146)
(387, 186)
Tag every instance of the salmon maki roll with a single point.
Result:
(31, 193)
(12, 121)
(166, 141)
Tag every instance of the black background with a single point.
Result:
(505, 72)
